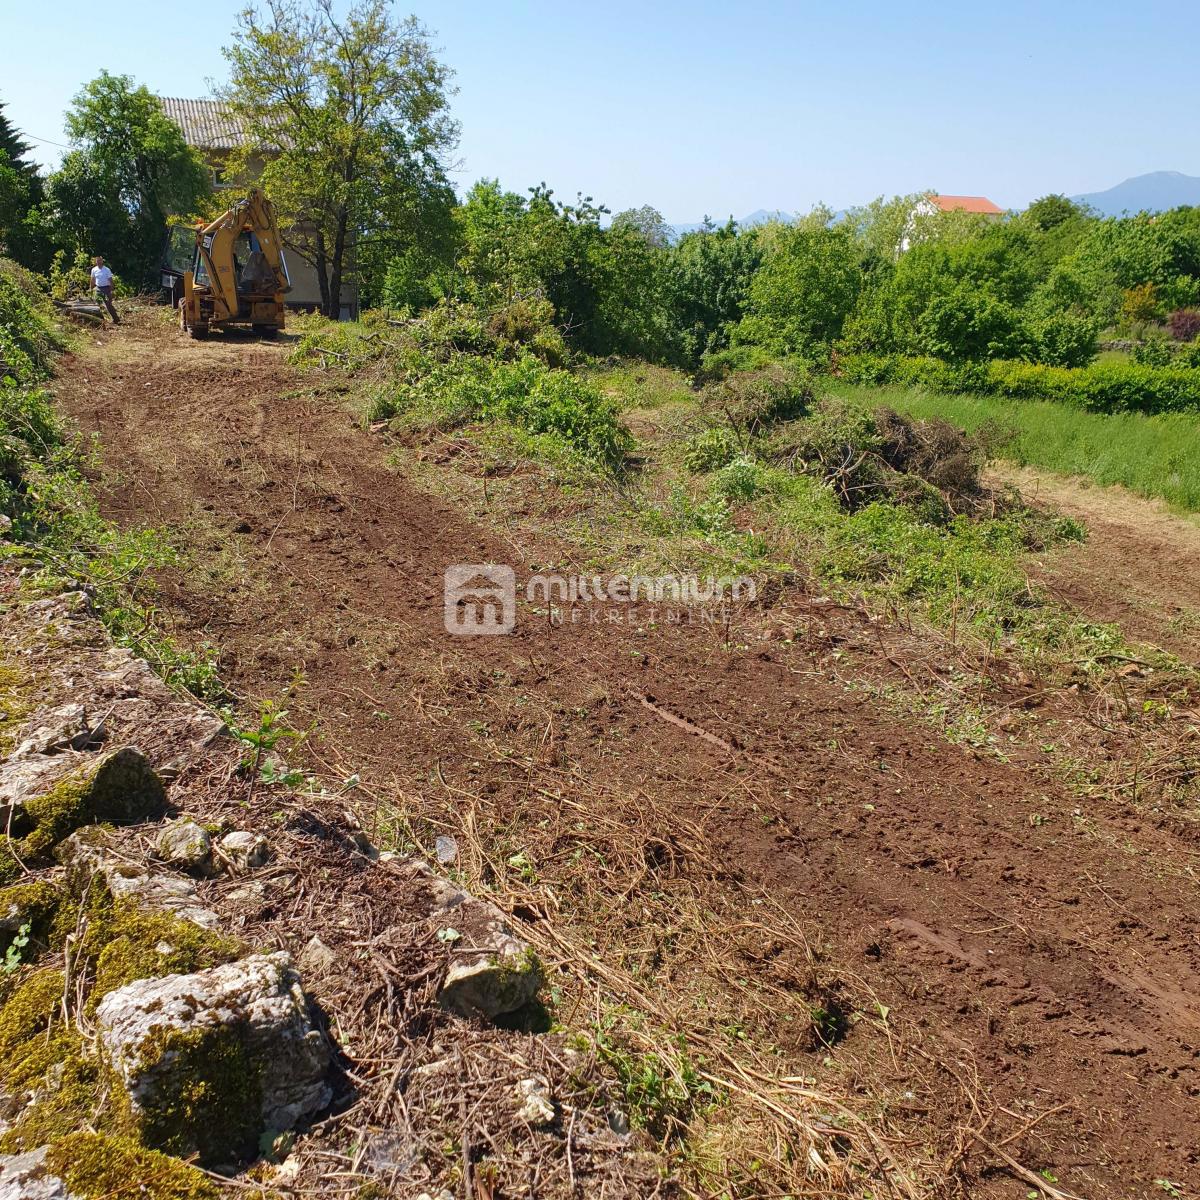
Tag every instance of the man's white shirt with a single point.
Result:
(102, 277)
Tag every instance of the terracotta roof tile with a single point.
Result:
(971, 204)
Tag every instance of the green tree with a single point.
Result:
(804, 290)
(709, 274)
(956, 293)
(881, 225)
(129, 173)
(607, 287)
(512, 243)
(969, 322)
(351, 116)
(13, 151)
(21, 191)
(1050, 211)
(632, 298)
(1122, 253)
(648, 223)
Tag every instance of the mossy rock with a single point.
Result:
(126, 789)
(62, 1102)
(121, 789)
(33, 1038)
(124, 942)
(14, 704)
(29, 907)
(144, 945)
(208, 1062)
(209, 1102)
(94, 1166)
(10, 865)
(492, 985)
(40, 1053)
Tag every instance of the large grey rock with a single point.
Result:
(489, 984)
(239, 1037)
(62, 728)
(125, 789)
(44, 797)
(120, 788)
(90, 852)
(20, 780)
(25, 1177)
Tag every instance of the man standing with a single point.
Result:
(102, 281)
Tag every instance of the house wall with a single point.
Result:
(923, 208)
(306, 290)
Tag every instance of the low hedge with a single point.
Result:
(1101, 387)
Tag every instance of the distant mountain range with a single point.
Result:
(1155, 192)
(760, 216)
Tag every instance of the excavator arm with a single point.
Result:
(230, 283)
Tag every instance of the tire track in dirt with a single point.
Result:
(1056, 951)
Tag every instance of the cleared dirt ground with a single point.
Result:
(1036, 953)
(1140, 566)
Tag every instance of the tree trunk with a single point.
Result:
(338, 263)
(321, 262)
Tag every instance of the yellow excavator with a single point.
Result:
(229, 272)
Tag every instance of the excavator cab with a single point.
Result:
(229, 272)
(178, 258)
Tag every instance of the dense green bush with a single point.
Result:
(27, 334)
(29, 430)
(1101, 387)
(434, 395)
(1060, 339)
(1155, 352)
(803, 292)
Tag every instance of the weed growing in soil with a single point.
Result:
(663, 1090)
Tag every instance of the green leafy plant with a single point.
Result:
(271, 732)
(12, 955)
(709, 449)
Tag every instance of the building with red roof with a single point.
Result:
(933, 203)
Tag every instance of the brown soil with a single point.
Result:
(1140, 567)
(1038, 952)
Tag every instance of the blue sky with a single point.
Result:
(724, 108)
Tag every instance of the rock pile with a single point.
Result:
(99, 888)
(201, 965)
